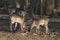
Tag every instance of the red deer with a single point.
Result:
(17, 19)
(40, 21)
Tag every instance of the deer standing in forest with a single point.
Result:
(42, 21)
(18, 19)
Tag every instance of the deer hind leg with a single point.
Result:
(34, 33)
(36, 29)
(33, 27)
(22, 26)
(47, 30)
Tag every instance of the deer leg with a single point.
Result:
(37, 29)
(46, 26)
(21, 27)
(31, 28)
(24, 26)
(10, 26)
(15, 26)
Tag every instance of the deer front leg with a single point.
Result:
(10, 26)
(37, 30)
(31, 28)
(15, 26)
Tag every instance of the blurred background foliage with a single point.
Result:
(40, 7)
